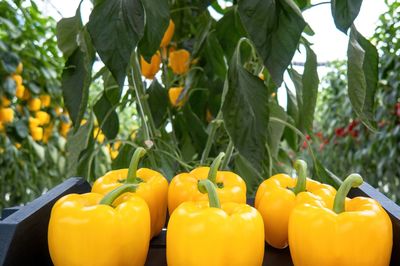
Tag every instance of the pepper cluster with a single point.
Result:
(207, 208)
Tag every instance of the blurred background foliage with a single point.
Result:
(176, 111)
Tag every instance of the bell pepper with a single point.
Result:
(168, 34)
(174, 94)
(208, 233)
(184, 186)
(354, 231)
(150, 70)
(152, 187)
(179, 61)
(277, 196)
(87, 230)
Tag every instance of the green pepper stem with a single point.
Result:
(353, 180)
(301, 169)
(206, 186)
(109, 198)
(212, 174)
(131, 178)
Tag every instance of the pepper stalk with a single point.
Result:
(301, 169)
(353, 180)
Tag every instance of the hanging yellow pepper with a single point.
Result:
(354, 231)
(179, 61)
(150, 70)
(168, 34)
(92, 229)
(183, 187)
(174, 94)
(208, 233)
(277, 196)
(152, 187)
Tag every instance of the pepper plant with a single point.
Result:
(202, 85)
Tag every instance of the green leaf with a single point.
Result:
(203, 32)
(229, 31)
(76, 144)
(275, 28)
(124, 157)
(245, 111)
(195, 128)
(76, 78)
(250, 175)
(115, 27)
(8, 62)
(310, 82)
(157, 21)
(275, 130)
(158, 102)
(9, 86)
(302, 3)
(344, 12)
(111, 88)
(67, 31)
(362, 75)
(107, 117)
(214, 55)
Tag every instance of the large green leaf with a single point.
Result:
(275, 28)
(76, 144)
(245, 112)
(252, 177)
(275, 130)
(195, 128)
(215, 56)
(158, 102)
(229, 31)
(67, 31)
(76, 78)
(362, 75)
(157, 21)
(310, 82)
(344, 12)
(107, 117)
(116, 26)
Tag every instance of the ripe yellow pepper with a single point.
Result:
(45, 99)
(206, 233)
(183, 187)
(48, 131)
(36, 133)
(152, 187)
(179, 61)
(168, 34)
(354, 231)
(17, 78)
(43, 117)
(5, 102)
(6, 115)
(20, 68)
(173, 94)
(87, 230)
(150, 70)
(64, 128)
(277, 196)
(20, 91)
(34, 104)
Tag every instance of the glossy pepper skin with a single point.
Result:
(179, 61)
(153, 188)
(275, 200)
(83, 232)
(360, 234)
(149, 70)
(183, 187)
(200, 235)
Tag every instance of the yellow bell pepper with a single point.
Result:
(88, 230)
(34, 104)
(150, 70)
(43, 117)
(5, 102)
(152, 187)
(6, 115)
(17, 78)
(354, 231)
(168, 34)
(45, 99)
(184, 187)
(36, 133)
(206, 233)
(179, 61)
(277, 196)
(173, 94)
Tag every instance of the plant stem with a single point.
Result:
(353, 180)
(212, 174)
(301, 169)
(132, 178)
(206, 186)
(114, 194)
(228, 155)
(214, 126)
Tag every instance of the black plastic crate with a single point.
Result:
(23, 230)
